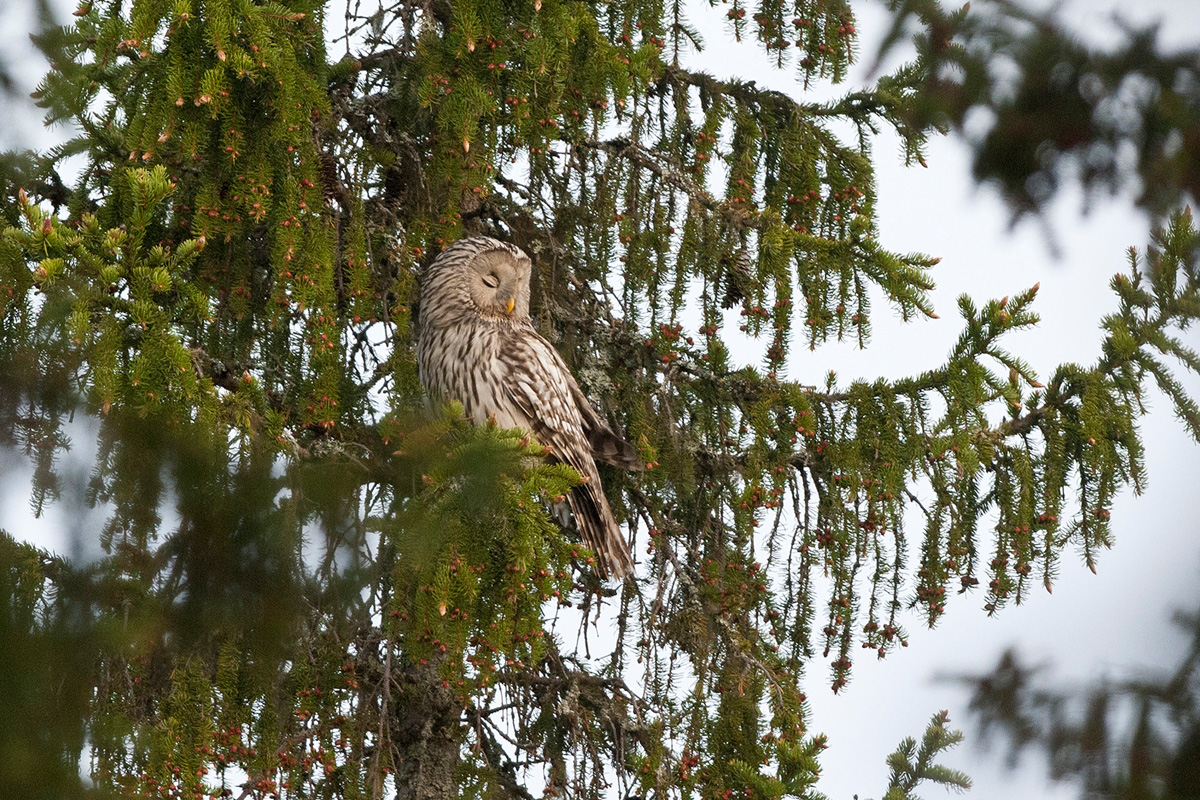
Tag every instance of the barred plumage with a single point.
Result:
(477, 345)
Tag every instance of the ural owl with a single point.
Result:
(477, 345)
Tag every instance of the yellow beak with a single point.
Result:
(511, 303)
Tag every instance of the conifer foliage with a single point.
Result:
(313, 586)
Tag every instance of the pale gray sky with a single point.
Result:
(1114, 623)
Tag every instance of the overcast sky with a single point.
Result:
(1115, 623)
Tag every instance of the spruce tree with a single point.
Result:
(316, 586)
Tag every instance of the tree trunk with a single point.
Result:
(427, 736)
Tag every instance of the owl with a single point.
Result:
(476, 344)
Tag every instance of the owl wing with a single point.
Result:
(607, 446)
(542, 390)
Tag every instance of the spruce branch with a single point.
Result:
(672, 174)
(912, 764)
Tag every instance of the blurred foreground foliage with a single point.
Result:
(1120, 738)
(309, 585)
(1042, 106)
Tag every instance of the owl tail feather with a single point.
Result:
(599, 530)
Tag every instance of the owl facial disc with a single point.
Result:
(498, 283)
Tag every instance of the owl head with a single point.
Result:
(480, 274)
